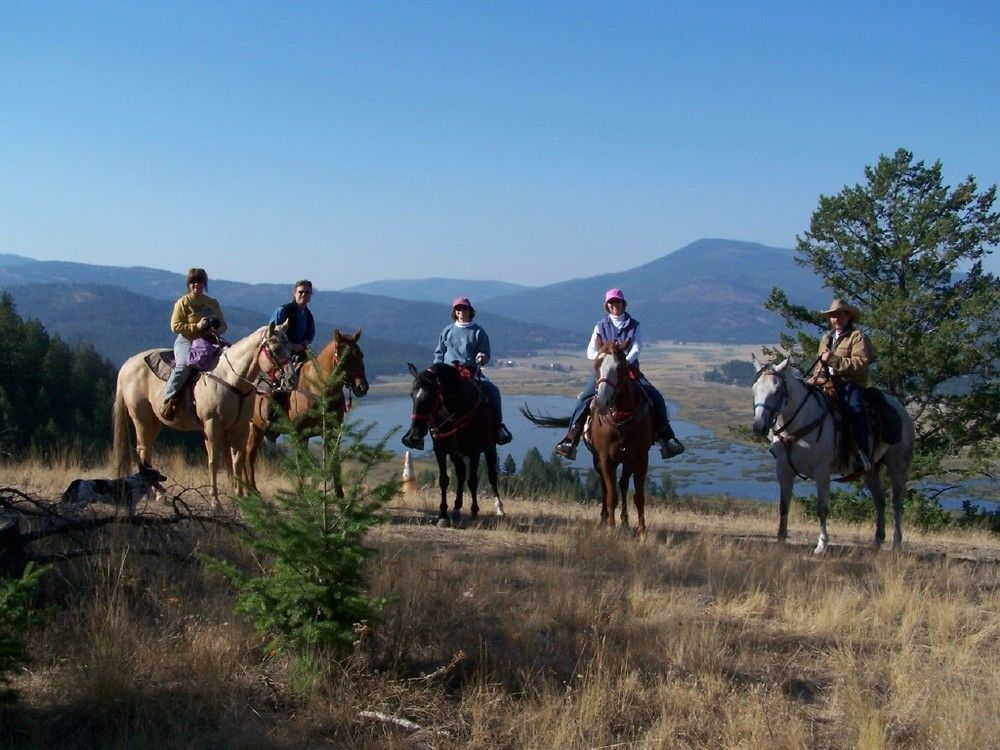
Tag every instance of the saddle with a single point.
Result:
(884, 423)
(161, 363)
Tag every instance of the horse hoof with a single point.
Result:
(443, 523)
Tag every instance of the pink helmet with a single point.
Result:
(614, 294)
(462, 301)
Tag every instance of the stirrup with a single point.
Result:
(566, 449)
(671, 447)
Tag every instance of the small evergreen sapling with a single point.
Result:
(310, 592)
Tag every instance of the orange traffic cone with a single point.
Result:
(409, 478)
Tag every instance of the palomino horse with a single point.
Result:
(804, 442)
(620, 432)
(340, 364)
(462, 425)
(221, 408)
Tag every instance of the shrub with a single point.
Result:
(310, 592)
(16, 615)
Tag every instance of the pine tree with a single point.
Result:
(311, 593)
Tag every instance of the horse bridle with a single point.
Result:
(789, 437)
(622, 418)
(458, 423)
(782, 399)
(350, 376)
(277, 366)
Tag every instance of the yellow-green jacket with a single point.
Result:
(189, 310)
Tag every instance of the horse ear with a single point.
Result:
(781, 367)
(357, 336)
(625, 345)
(337, 334)
(412, 369)
(754, 361)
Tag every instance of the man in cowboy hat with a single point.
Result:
(845, 354)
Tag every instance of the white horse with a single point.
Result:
(223, 403)
(804, 442)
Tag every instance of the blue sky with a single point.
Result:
(526, 142)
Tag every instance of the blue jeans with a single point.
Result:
(494, 395)
(583, 400)
(659, 405)
(181, 370)
(852, 396)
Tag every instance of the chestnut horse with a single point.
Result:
(221, 403)
(619, 432)
(342, 356)
(462, 425)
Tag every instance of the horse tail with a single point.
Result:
(544, 421)
(121, 454)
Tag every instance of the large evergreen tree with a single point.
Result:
(907, 249)
(51, 394)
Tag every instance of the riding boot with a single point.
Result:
(169, 408)
(503, 435)
(670, 446)
(567, 446)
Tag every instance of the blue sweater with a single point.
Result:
(462, 344)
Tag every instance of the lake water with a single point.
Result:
(709, 466)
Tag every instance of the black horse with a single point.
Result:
(462, 424)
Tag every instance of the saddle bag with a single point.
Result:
(204, 354)
(889, 422)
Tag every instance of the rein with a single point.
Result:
(277, 364)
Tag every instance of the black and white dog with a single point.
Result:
(127, 491)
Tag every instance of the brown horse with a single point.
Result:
(343, 356)
(218, 404)
(619, 432)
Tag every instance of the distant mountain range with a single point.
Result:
(711, 290)
(437, 289)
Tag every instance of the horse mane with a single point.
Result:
(445, 374)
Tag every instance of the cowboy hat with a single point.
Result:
(838, 305)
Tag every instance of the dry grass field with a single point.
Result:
(539, 630)
(536, 631)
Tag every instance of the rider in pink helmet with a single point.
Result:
(466, 343)
(618, 326)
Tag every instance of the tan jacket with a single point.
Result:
(851, 357)
(189, 310)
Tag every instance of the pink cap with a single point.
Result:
(613, 294)
(460, 301)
